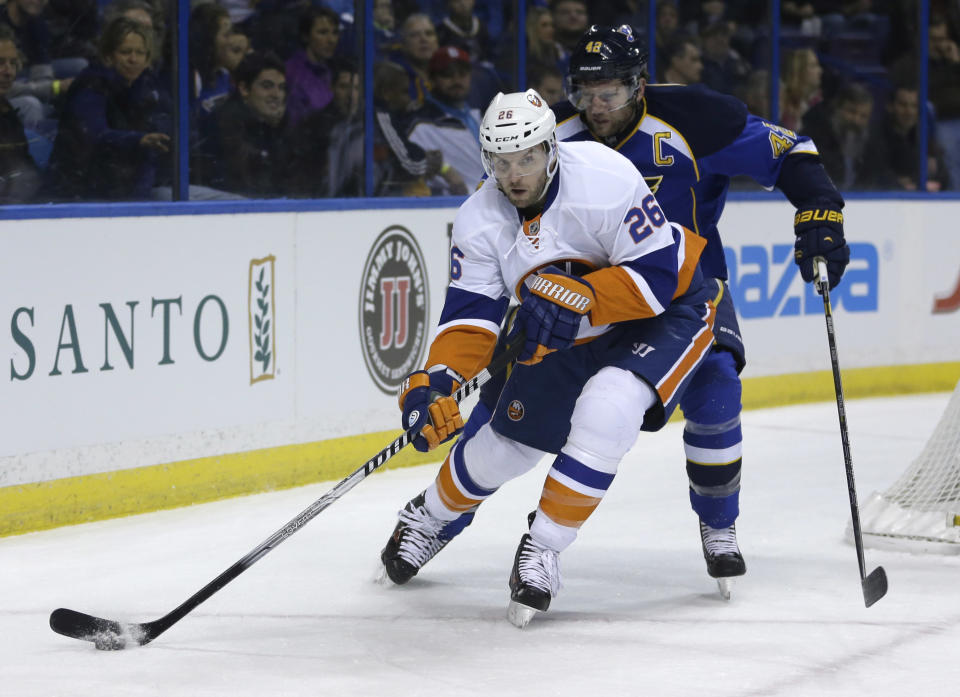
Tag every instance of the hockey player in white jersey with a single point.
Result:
(617, 318)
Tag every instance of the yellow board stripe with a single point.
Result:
(88, 498)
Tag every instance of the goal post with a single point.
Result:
(921, 510)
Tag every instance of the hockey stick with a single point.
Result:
(113, 635)
(874, 585)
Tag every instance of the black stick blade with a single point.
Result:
(106, 635)
(874, 586)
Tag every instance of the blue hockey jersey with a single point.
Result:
(689, 141)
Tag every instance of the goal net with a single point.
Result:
(921, 510)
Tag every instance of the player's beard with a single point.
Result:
(533, 187)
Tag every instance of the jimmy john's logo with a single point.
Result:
(515, 410)
(394, 308)
(261, 308)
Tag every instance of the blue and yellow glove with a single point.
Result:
(819, 233)
(428, 407)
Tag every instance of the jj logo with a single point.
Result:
(394, 308)
(394, 294)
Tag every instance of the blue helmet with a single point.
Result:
(607, 53)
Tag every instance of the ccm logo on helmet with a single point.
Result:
(505, 139)
(560, 294)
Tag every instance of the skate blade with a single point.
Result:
(725, 585)
(520, 615)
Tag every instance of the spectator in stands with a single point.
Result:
(800, 73)
(33, 95)
(74, 25)
(384, 25)
(328, 159)
(25, 18)
(681, 63)
(238, 46)
(723, 68)
(570, 21)
(251, 141)
(840, 130)
(667, 27)
(447, 123)
(851, 15)
(548, 82)
(210, 82)
(755, 93)
(944, 92)
(891, 160)
(543, 50)
(461, 27)
(418, 43)
(401, 168)
(139, 11)
(113, 128)
(19, 176)
(801, 16)
(308, 72)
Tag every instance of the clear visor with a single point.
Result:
(601, 97)
(504, 166)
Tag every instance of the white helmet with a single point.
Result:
(515, 122)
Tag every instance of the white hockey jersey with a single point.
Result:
(600, 222)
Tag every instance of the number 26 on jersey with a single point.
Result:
(644, 218)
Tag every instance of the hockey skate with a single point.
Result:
(416, 540)
(723, 557)
(534, 581)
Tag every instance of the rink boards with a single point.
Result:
(153, 362)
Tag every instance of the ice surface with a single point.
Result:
(638, 614)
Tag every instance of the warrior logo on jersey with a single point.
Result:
(261, 308)
(515, 410)
(394, 308)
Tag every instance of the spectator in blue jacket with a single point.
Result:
(113, 130)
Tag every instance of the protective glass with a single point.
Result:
(510, 165)
(602, 97)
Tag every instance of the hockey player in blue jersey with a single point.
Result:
(616, 314)
(687, 141)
